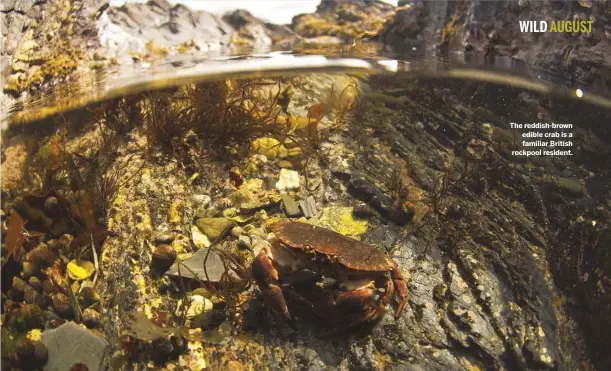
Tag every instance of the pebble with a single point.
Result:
(51, 207)
(291, 207)
(91, 318)
(201, 200)
(48, 288)
(200, 240)
(236, 231)
(163, 257)
(61, 306)
(35, 282)
(163, 238)
(215, 228)
(288, 180)
(197, 306)
(308, 207)
(244, 242)
(88, 296)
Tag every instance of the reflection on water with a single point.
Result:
(135, 170)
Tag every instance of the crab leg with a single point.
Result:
(400, 289)
(266, 276)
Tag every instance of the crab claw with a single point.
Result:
(263, 269)
(275, 300)
(400, 289)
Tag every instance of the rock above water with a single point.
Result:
(70, 344)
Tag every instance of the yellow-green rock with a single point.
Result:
(340, 220)
(269, 147)
(215, 228)
(80, 270)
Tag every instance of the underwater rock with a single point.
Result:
(244, 242)
(88, 295)
(201, 200)
(61, 306)
(80, 270)
(366, 190)
(70, 344)
(340, 220)
(288, 180)
(308, 207)
(194, 310)
(291, 207)
(215, 228)
(31, 354)
(200, 240)
(193, 268)
(163, 237)
(91, 318)
(271, 148)
(163, 257)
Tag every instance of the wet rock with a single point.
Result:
(51, 207)
(365, 190)
(80, 270)
(200, 240)
(28, 317)
(340, 220)
(88, 296)
(383, 236)
(455, 212)
(48, 287)
(40, 257)
(288, 180)
(61, 306)
(31, 354)
(35, 283)
(163, 238)
(70, 344)
(308, 207)
(194, 310)
(163, 257)
(237, 231)
(363, 211)
(201, 200)
(215, 228)
(91, 318)
(244, 242)
(193, 268)
(291, 207)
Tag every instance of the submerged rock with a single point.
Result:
(291, 207)
(194, 268)
(215, 228)
(70, 344)
(289, 180)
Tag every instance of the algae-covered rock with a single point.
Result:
(341, 220)
(80, 270)
(215, 228)
(268, 147)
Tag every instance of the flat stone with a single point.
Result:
(291, 207)
(215, 228)
(70, 344)
(193, 267)
(308, 207)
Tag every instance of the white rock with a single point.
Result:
(197, 306)
(199, 239)
(289, 179)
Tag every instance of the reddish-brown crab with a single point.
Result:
(340, 279)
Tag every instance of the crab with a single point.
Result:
(337, 278)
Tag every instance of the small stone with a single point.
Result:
(51, 207)
(215, 228)
(41, 256)
(61, 306)
(80, 270)
(176, 212)
(48, 288)
(193, 267)
(200, 240)
(284, 164)
(91, 318)
(236, 231)
(88, 296)
(291, 208)
(35, 282)
(244, 242)
(229, 212)
(163, 238)
(201, 200)
(163, 257)
(65, 240)
(194, 309)
(308, 207)
(288, 180)
(363, 211)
